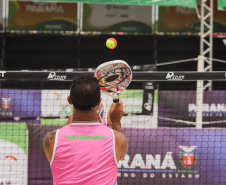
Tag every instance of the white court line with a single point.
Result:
(179, 121)
(191, 122)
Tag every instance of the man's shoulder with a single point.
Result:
(48, 144)
(49, 139)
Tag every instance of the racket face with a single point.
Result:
(114, 77)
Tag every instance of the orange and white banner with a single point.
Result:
(180, 19)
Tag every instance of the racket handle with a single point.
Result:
(115, 101)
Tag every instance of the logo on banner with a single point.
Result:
(53, 76)
(14, 159)
(45, 7)
(148, 95)
(188, 158)
(58, 96)
(66, 110)
(6, 103)
(171, 76)
(148, 105)
(5, 107)
(163, 165)
(212, 109)
(11, 157)
(2, 73)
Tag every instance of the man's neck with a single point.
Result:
(84, 117)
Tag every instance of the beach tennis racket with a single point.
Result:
(101, 112)
(114, 77)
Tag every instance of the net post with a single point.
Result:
(199, 93)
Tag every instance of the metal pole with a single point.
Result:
(199, 94)
(206, 37)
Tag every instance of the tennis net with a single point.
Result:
(174, 126)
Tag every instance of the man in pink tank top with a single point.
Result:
(85, 152)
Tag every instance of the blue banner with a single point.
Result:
(17, 104)
(155, 156)
(174, 156)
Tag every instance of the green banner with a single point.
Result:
(15, 133)
(13, 154)
(221, 4)
(42, 16)
(117, 18)
(183, 20)
(183, 3)
(178, 19)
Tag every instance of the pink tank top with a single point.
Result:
(84, 154)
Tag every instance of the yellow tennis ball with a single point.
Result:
(111, 43)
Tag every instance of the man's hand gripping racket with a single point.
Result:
(114, 77)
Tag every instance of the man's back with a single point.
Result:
(84, 153)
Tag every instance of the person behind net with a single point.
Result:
(86, 152)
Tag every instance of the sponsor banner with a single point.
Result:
(13, 155)
(148, 98)
(132, 104)
(1, 15)
(184, 3)
(155, 156)
(132, 101)
(173, 156)
(17, 104)
(42, 16)
(54, 104)
(221, 5)
(181, 105)
(55, 76)
(117, 18)
(180, 19)
(2, 74)
(172, 76)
